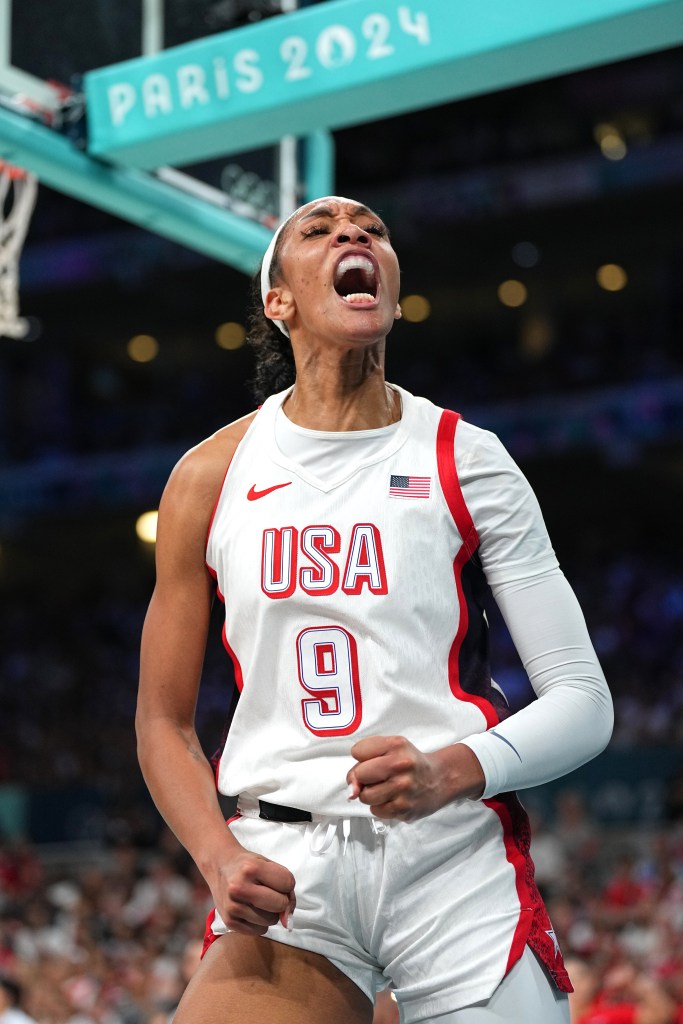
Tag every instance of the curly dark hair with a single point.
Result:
(274, 369)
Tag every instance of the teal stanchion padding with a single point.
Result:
(131, 194)
(350, 61)
(318, 165)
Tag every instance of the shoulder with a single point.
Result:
(201, 470)
(195, 482)
(480, 453)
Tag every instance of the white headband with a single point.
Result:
(268, 255)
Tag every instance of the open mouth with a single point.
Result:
(355, 279)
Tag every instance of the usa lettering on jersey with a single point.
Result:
(315, 560)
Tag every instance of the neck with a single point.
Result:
(345, 393)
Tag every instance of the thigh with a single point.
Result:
(526, 994)
(247, 979)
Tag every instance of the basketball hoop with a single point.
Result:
(18, 190)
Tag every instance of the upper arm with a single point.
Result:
(514, 541)
(177, 621)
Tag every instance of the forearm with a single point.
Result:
(571, 721)
(182, 785)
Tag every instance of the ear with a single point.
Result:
(279, 304)
(397, 312)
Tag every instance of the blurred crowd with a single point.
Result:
(93, 400)
(111, 935)
(108, 938)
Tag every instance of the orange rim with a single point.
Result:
(15, 173)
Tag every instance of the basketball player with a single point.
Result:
(352, 529)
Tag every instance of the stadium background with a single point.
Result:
(578, 369)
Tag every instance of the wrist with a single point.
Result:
(462, 772)
(213, 851)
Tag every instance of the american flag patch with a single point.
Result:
(409, 486)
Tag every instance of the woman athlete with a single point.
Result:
(353, 532)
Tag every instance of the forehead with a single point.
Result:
(330, 207)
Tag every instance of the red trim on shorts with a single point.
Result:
(452, 492)
(209, 935)
(533, 927)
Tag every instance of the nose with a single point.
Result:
(351, 233)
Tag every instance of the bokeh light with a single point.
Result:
(146, 527)
(512, 293)
(525, 254)
(611, 141)
(230, 335)
(612, 277)
(415, 308)
(143, 348)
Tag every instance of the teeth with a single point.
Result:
(359, 297)
(355, 262)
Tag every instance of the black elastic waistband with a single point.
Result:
(276, 812)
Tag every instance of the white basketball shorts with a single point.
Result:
(431, 908)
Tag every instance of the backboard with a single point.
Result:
(46, 46)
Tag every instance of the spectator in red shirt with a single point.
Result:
(624, 997)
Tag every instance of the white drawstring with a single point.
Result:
(323, 836)
(346, 832)
(378, 827)
(324, 833)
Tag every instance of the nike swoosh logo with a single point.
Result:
(254, 495)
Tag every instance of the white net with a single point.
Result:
(18, 191)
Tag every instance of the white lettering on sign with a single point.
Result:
(246, 65)
(294, 51)
(417, 26)
(336, 46)
(192, 85)
(122, 97)
(376, 28)
(220, 73)
(156, 95)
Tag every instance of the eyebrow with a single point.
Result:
(326, 211)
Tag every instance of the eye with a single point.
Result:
(317, 229)
(376, 229)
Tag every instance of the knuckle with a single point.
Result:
(236, 891)
(403, 785)
(407, 762)
(251, 870)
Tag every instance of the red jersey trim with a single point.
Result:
(533, 926)
(450, 485)
(239, 678)
(218, 498)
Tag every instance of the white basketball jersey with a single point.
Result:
(354, 606)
